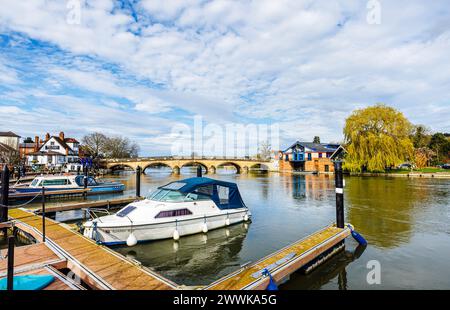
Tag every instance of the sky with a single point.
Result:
(140, 68)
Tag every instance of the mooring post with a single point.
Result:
(85, 179)
(4, 197)
(43, 214)
(339, 181)
(10, 272)
(199, 171)
(138, 181)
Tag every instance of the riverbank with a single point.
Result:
(438, 175)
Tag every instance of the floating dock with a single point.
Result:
(112, 203)
(101, 268)
(96, 265)
(50, 193)
(284, 262)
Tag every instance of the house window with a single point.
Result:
(320, 155)
(172, 213)
(327, 168)
(286, 157)
(309, 156)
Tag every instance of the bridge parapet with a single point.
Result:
(210, 164)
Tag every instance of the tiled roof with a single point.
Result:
(8, 134)
(71, 140)
(317, 147)
(26, 145)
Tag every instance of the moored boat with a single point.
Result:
(177, 209)
(66, 183)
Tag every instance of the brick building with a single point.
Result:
(308, 157)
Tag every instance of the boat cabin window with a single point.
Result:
(54, 182)
(35, 182)
(80, 181)
(172, 213)
(167, 196)
(124, 212)
(91, 181)
(224, 193)
(196, 197)
(176, 196)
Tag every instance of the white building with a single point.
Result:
(55, 151)
(10, 139)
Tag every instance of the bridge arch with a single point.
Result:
(230, 163)
(194, 164)
(156, 164)
(120, 167)
(260, 167)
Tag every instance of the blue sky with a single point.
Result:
(138, 68)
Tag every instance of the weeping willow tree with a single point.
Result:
(377, 137)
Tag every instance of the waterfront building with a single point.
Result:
(10, 139)
(9, 147)
(53, 151)
(308, 157)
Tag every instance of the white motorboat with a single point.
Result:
(177, 209)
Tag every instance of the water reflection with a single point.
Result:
(202, 256)
(333, 269)
(385, 209)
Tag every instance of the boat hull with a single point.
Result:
(163, 230)
(99, 189)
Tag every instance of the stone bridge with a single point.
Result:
(210, 165)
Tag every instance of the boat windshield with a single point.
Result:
(35, 182)
(167, 196)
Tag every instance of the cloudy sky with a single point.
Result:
(139, 68)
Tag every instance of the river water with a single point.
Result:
(405, 221)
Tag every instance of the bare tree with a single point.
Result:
(99, 145)
(265, 150)
(120, 147)
(94, 144)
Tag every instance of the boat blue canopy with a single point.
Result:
(225, 194)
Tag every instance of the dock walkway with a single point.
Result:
(283, 262)
(96, 265)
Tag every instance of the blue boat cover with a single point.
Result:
(225, 194)
(28, 282)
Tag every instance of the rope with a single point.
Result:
(29, 201)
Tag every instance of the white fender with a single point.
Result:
(205, 228)
(246, 217)
(175, 246)
(176, 235)
(131, 240)
(227, 222)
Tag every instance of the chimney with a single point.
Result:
(36, 143)
(61, 135)
(47, 137)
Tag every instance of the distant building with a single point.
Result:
(53, 151)
(28, 146)
(9, 148)
(10, 139)
(308, 157)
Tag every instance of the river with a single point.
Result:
(406, 222)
